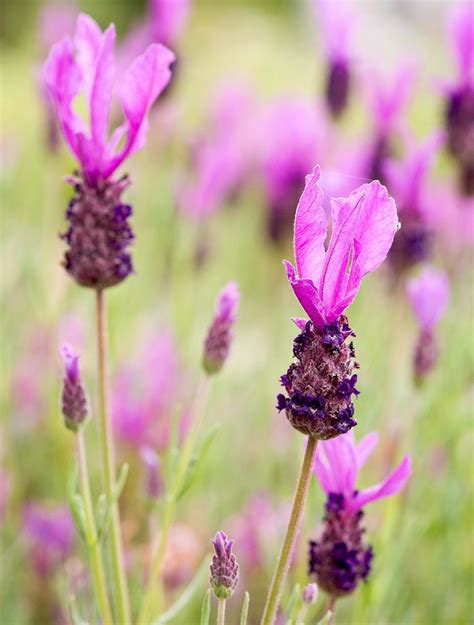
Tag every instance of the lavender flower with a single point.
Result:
(220, 335)
(406, 180)
(340, 559)
(459, 110)
(310, 593)
(154, 485)
(74, 399)
(50, 533)
(321, 383)
(337, 24)
(224, 568)
(429, 294)
(99, 233)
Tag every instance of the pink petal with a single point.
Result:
(168, 18)
(143, 82)
(461, 30)
(307, 295)
(310, 230)
(299, 322)
(228, 302)
(337, 24)
(71, 362)
(336, 465)
(390, 486)
(365, 447)
(390, 97)
(429, 296)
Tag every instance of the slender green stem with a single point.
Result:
(301, 614)
(122, 602)
(170, 507)
(93, 545)
(332, 610)
(281, 571)
(221, 612)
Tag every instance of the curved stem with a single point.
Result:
(221, 612)
(169, 512)
(332, 610)
(93, 546)
(281, 571)
(108, 466)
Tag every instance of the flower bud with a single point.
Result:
(154, 485)
(310, 593)
(74, 399)
(220, 335)
(224, 568)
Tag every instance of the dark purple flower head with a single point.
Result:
(219, 336)
(320, 384)
(224, 568)
(74, 398)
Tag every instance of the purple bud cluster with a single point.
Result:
(340, 559)
(337, 87)
(99, 234)
(320, 385)
(224, 568)
(459, 118)
(412, 245)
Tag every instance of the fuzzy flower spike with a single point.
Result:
(339, 560)
(429, 295)
(99, 234)
(321, 383)
(74, 397)
(220, 333)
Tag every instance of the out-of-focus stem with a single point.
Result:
(332, 610)
(301, 614)
(170, 508)
(93, 546)
(281, 571)
(122, 601)
(221, 612)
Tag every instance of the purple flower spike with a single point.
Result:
(74, 398)
(340, 559)
(364, 225)
(224, 568)
(429, 295)
(220, 335)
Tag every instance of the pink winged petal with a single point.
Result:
(310, 230)
(144, 80)
(62, 77)
(390, 486)
(307, 295)
(299, 322)
(88, 42)
(101, 95)
(365, 447)
(336, 465)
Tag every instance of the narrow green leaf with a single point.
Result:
(185, 596)
(120, 483)
(74, 615)
(206, 608)
(77, 509)
(293, 602)
(325, 618)
(245, 609)
(196, 461)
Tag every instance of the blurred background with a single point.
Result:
(214, 191)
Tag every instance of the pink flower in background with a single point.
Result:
(429, 296)
(459, 113)
(5, 492)
(143, 393)
(56, 20)
(168, 19)
(291, 141)
(340, 559)
(49, 533)
(364, 225)
(86, 63)
(153, 479)
(337, 22)
(407, 181)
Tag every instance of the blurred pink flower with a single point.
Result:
(143, 393)
(220, 334)
(92, 71)
(338, 462)
(168, 19)
(5, 492)
(291, 141)
(429, 296)
(56, 20)
(49, 533)
(364, 225)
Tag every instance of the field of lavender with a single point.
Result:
(185, 419)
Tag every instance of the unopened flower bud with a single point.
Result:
(310, 593)
(224, 568)
(220, 335)
(74, 399)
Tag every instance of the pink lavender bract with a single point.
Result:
(364, 225)
(340, 558)
(86, 63)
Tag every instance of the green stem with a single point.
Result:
(170, 508)
(332, 610)
(301, 614)
(108, 466)
(221, 612)
(93, 546)
(281, 571)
